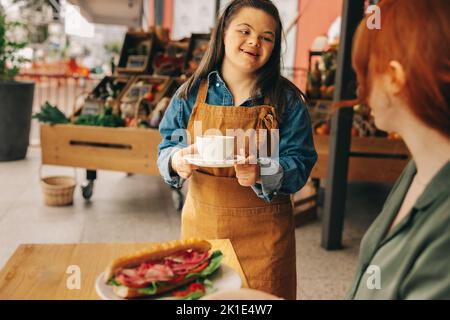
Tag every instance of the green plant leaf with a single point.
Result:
(9, 62)
(50, 114)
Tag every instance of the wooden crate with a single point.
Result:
(131, 150)
(384, 159)
(132, 61)
(198, 44)
(130, 104)
(172, 60)
(162, 81)
(125, 82)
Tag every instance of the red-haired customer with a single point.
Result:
(403, 72)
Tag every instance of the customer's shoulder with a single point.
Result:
(440, 211)
(397, 191)
(434, 208)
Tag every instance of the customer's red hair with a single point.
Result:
(417, 35)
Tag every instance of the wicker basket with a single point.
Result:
(58, 190)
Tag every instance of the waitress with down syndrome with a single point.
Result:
(239, 86)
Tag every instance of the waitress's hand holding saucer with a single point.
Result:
(179, 165)
(248, 171)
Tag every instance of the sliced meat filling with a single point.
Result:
(172, 268)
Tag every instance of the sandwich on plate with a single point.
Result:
(180, 268)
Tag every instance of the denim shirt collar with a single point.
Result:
(214, 78)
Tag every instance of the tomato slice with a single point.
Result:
(200, 267)
(178, 279)
(194, 287)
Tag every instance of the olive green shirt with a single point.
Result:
(412, 261)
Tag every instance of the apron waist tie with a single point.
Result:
(227, 192)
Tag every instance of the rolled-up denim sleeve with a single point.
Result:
(174, 137)
(271, 180)
(297, 155)
(164, 160)
(289, 171)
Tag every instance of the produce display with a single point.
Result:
(320, 90)
(137, 53)
(106, 93)
(320, 80)
(170, 62)
(109, 87)
(363, 123)
(141, 98)
(156, 115)
(105, 119)
(135, 97)
(198, 46)
(50, 114)
(136, 100)
(197, 55)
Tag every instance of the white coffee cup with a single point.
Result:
(215, 148)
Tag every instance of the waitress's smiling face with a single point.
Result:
(249, 39)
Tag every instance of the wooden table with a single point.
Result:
(40, 271)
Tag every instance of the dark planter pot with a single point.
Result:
(16, 103)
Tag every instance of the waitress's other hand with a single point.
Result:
(248, 172)
(183, 168)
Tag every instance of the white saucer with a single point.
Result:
(197, 160)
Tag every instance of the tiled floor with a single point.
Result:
(139, 208)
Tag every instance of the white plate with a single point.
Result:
(197, 160)
(225, 278)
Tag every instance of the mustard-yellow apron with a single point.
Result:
(218, 207)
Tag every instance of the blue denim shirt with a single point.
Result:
(297, 155)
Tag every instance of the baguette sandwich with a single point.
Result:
(162, 268)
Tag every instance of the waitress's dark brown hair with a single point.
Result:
(269, 79)
(417, 35)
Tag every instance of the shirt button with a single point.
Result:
(217, 84)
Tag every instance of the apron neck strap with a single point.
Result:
(202, 92)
